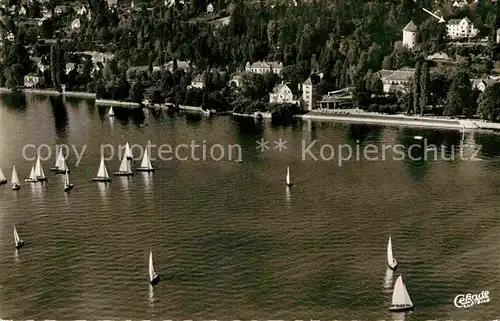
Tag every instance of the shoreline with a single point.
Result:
(50, 92)
(346, 116)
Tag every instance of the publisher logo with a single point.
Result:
(464, 301)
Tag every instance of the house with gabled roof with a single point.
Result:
(261, 67)
(482, 84)
(282, 94)
(396, 80)
(198, 81)
(461, 28)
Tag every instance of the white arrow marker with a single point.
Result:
(441, 20)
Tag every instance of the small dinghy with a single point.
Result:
(32, 177)
(417, 137)
(111, 113)
(19, 243)
(61, 167)
(128, 152)
(288, 180)
(146, 163)
(102, 174)
(124, 169)
(3, 179)
(153, 276)
(67, 185)
(15, 180)
(391, 261)
(400, 298)
(39, 173)
(58, 161)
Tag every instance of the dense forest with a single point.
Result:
(344, 42)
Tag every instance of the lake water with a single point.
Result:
(230, 240)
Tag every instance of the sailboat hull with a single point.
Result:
(53, 169)
(144, 169)
(16, 187)
(400, 308)
(19, 244)
(101, 179)
(68, 187)
(3, 182)
(155, 279)
(59, 171)
(31, 180)
(289, 184)
(42, 179)
(123, 173)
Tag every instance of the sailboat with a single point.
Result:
(124, 169)
(146, 163)
(19, 243)
(61, 167)
(58, 161)
(67, 185)
(15, 180)
(400, 298)
(128, 151)
(102, 174)
(390, 259)
(153, 276)
(3, 180)
(32, 178)
(111, 113)
(39, 173)
(288, 181)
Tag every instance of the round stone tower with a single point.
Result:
(410, 35)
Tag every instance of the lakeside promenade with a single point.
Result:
(341, 115)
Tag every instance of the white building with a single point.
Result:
(308, 94)
(70, 67)
(60, 9)
(75, 25)
(210, 8)
(10, 36)
(282, 94)
(461, 28)
(112, 3)
(396, 80)
(81, 11)
(237, 80)
(459, 4)
(32, 81)
(410, 35)
(261, 67)
(498, 36)
(22, 11)
(482, 84)
(198, 82)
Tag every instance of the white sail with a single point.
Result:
(103, 172)
(146, 161)
(39, 173)
(16, 236)
(124, 165)
(288, 175)
(63, 166)
(59, 158)
(66, 179)
(128, 151)
(111, 112)
(400, 296)
(390, 258)
(32, 173)
(15, 178)
(151, 268)
(2, 176)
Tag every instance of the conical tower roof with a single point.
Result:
(411, 27)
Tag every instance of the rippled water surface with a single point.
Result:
(230, 241)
